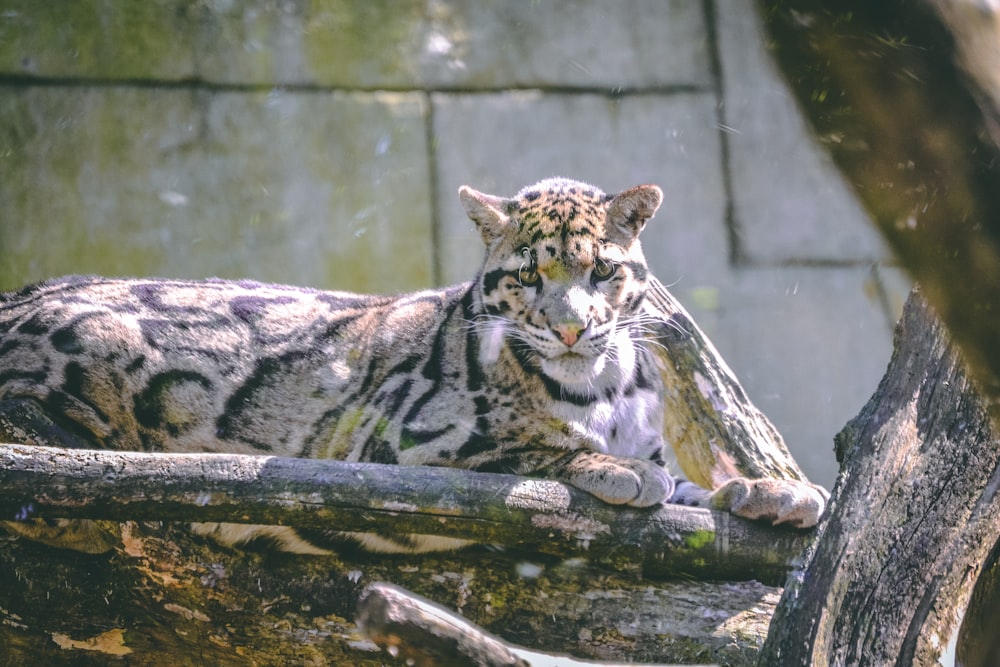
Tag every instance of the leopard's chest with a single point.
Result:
(625, 425)
(620, 413)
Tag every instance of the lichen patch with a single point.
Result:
(111, 642)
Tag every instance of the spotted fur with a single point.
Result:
(535, 367)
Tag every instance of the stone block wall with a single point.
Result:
(322, 143)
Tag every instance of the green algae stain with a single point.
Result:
(700, 539)
(363, 44)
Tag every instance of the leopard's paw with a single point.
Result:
(620, 481)
(778, 501)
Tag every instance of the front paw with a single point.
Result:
(619, 480)
(796, 503)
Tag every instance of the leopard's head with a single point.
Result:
(564, 275)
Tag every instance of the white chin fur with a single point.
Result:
(573, 370)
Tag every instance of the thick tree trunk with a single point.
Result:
(914, 515)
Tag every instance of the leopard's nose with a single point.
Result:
(569, 332)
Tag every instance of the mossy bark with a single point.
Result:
(167, 597)
(716, 432)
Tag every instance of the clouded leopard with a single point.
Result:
(537, 366)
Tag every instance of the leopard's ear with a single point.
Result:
(629, 211)
(487, 211)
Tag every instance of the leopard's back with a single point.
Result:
(244, 367)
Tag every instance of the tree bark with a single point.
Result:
(914, 515)
(165, 592)
(715, 431)
(540, 516)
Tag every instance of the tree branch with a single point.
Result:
(538, 515)
(914, 515)
(426, 634)
(716, 432)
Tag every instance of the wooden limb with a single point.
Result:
(426, 634)
(538, 515)
(914, 516)
(716, 432)
(164, 591)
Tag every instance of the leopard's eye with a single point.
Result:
(604, 270)
(528, 276)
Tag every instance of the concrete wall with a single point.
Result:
(322, 143)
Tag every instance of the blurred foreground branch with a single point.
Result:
(904, 97)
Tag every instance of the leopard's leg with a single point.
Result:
(616, 480)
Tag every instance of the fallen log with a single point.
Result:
(540, 516)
